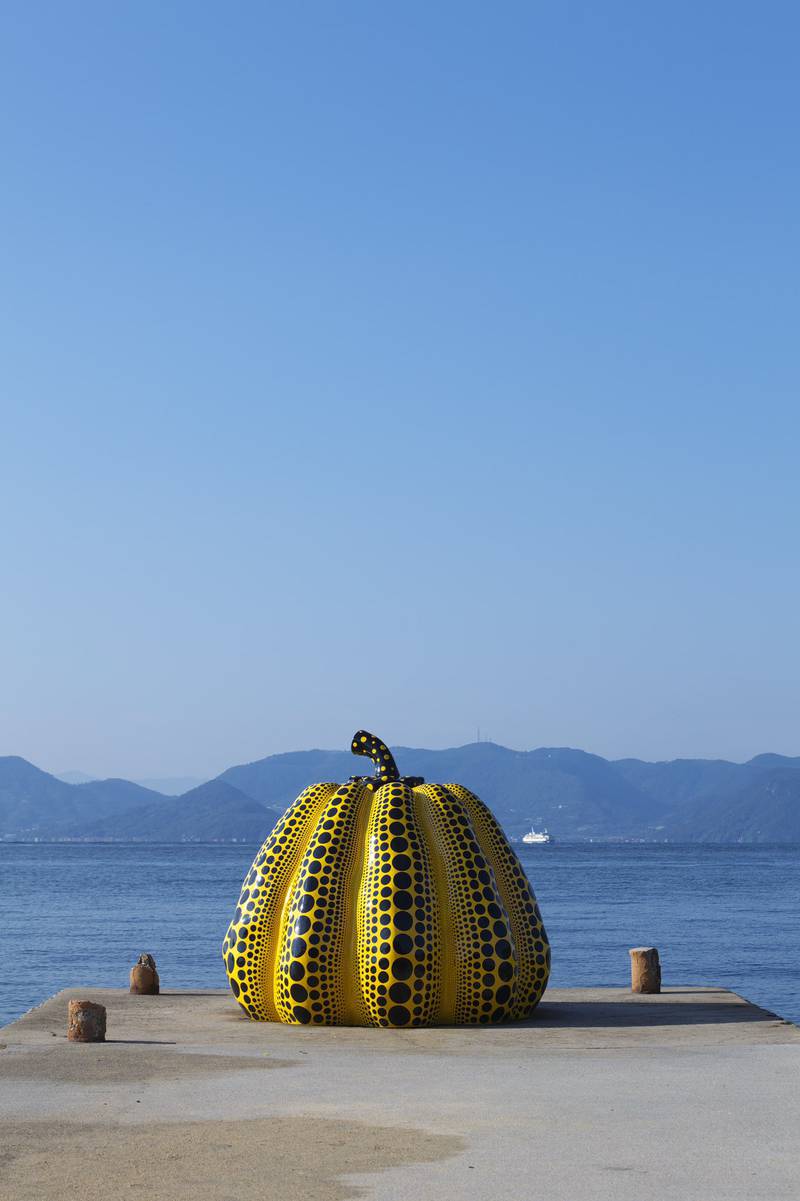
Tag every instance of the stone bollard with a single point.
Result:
(645, 969)
(86, 1022)
(144, 977)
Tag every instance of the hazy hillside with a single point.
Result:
(278, 779)
(172, 785)
(718, 801)
(679, 781)
(168, 785)
(765, 807)
(573, 794)
(74, 777)
(213, 812)
(35, 804)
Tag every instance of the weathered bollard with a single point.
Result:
(144, 977)
(86, 1022)
(645, 969)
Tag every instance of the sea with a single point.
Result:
(75, 915)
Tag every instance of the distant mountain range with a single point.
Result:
(214, 812)
(169, 785)
(575, 795)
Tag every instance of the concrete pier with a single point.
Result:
(690, 1095)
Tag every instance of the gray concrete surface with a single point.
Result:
(692, 1095)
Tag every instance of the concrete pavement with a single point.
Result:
(693, 1095)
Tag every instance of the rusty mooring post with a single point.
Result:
(645, 969)
(144, 977)
(86, 1022)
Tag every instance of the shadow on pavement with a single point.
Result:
(647, 1012)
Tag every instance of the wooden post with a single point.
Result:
(144, 977)
(645, 969)
(86, 1022)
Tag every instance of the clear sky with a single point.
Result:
(417, 367)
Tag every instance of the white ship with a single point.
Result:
(536, 836)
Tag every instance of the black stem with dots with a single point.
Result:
(386, 771)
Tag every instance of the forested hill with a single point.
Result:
(573, 794)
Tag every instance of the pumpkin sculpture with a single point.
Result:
(386, 902)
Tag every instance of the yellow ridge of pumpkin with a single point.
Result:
(308, 976)
(398, 922)
(446, 1009)
(354, 1012)
(530, 939)
(484, 948)
(253, 936)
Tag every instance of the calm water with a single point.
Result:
(73, 915)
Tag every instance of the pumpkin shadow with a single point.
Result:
(636, 1011)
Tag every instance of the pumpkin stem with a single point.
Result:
(367, 744)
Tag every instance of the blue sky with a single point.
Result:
(418, 368)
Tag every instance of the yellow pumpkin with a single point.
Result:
(386, 902)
